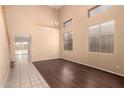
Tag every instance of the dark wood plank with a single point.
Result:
(60, 73)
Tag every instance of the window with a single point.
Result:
(98, 9)
(68, 41)
(101, 37)
(68, 23)
(94, 38)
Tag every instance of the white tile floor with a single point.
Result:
(25, 75)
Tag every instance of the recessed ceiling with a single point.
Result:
(56, 6)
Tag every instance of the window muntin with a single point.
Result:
(101, 37)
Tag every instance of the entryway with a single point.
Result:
(22, 46)
(23, 74)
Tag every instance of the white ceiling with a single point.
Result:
(56, 6)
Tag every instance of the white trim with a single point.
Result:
(5, 79)
(115, 73)
(42, 59)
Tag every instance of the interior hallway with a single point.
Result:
(24, 75)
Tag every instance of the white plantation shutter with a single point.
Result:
(68, 44)
(107, 37)
(101, 37)
(94, 38)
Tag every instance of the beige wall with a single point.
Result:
(80, 31)
(4, 51)
(26, 20)
(45, 44)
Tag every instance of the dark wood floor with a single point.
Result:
(61, 73)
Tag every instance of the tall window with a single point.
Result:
(68, 42)
(101, 37)
(98, 9)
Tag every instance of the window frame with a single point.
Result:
(67, 40)
(93, 8)
(64, 23)
(114, 45)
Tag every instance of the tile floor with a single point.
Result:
(25, 75)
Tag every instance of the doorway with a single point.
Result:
(22, 47)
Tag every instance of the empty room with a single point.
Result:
(62, 46)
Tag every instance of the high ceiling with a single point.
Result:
(56, 6)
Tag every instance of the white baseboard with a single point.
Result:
(5, 79)
(115, 73)
(42, 59)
